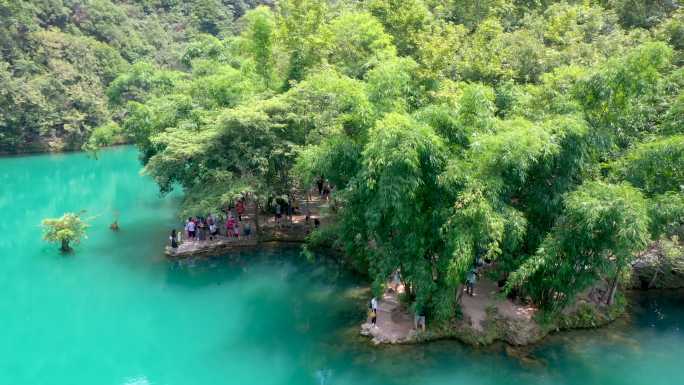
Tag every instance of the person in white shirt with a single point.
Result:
(190, 228)
(374, 311)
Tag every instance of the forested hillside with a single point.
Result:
(57, 58)
(545, 135)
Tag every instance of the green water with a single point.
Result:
(116, 312)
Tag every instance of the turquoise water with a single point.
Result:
(117, 312)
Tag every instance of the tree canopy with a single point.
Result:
(67, 230)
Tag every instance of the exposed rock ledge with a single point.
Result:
(221, 244)
(654, 269)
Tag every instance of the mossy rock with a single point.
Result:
(587, 315)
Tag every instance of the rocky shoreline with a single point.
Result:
(656, 269)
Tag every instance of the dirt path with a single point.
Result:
(305, 201)
(485, 296)
(474, 308)
(395, 324)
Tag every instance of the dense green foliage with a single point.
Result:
(601, 228)
(545, 135)
(57, 58)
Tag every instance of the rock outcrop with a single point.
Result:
(393, 326)
(659, 267)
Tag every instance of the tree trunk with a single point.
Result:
(65, 246)
(613, 288)
(408, 289)
(655, 275)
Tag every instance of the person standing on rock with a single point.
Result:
(174, 239)
(278, 214)
(230, 227)
(213, 230)
(190, 227)
(419, 319)
(201, 229)
(374, 311)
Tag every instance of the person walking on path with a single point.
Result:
(319, 184)
(470, 281)
(326, 192)
(396, 281)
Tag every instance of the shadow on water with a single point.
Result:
(661, 308)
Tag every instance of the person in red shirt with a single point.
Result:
(230, 226)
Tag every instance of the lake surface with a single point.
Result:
(118, 313)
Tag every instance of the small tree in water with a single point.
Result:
(68, 229)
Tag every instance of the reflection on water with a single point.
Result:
(137, 381)
(323, 376)
(117, 312)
